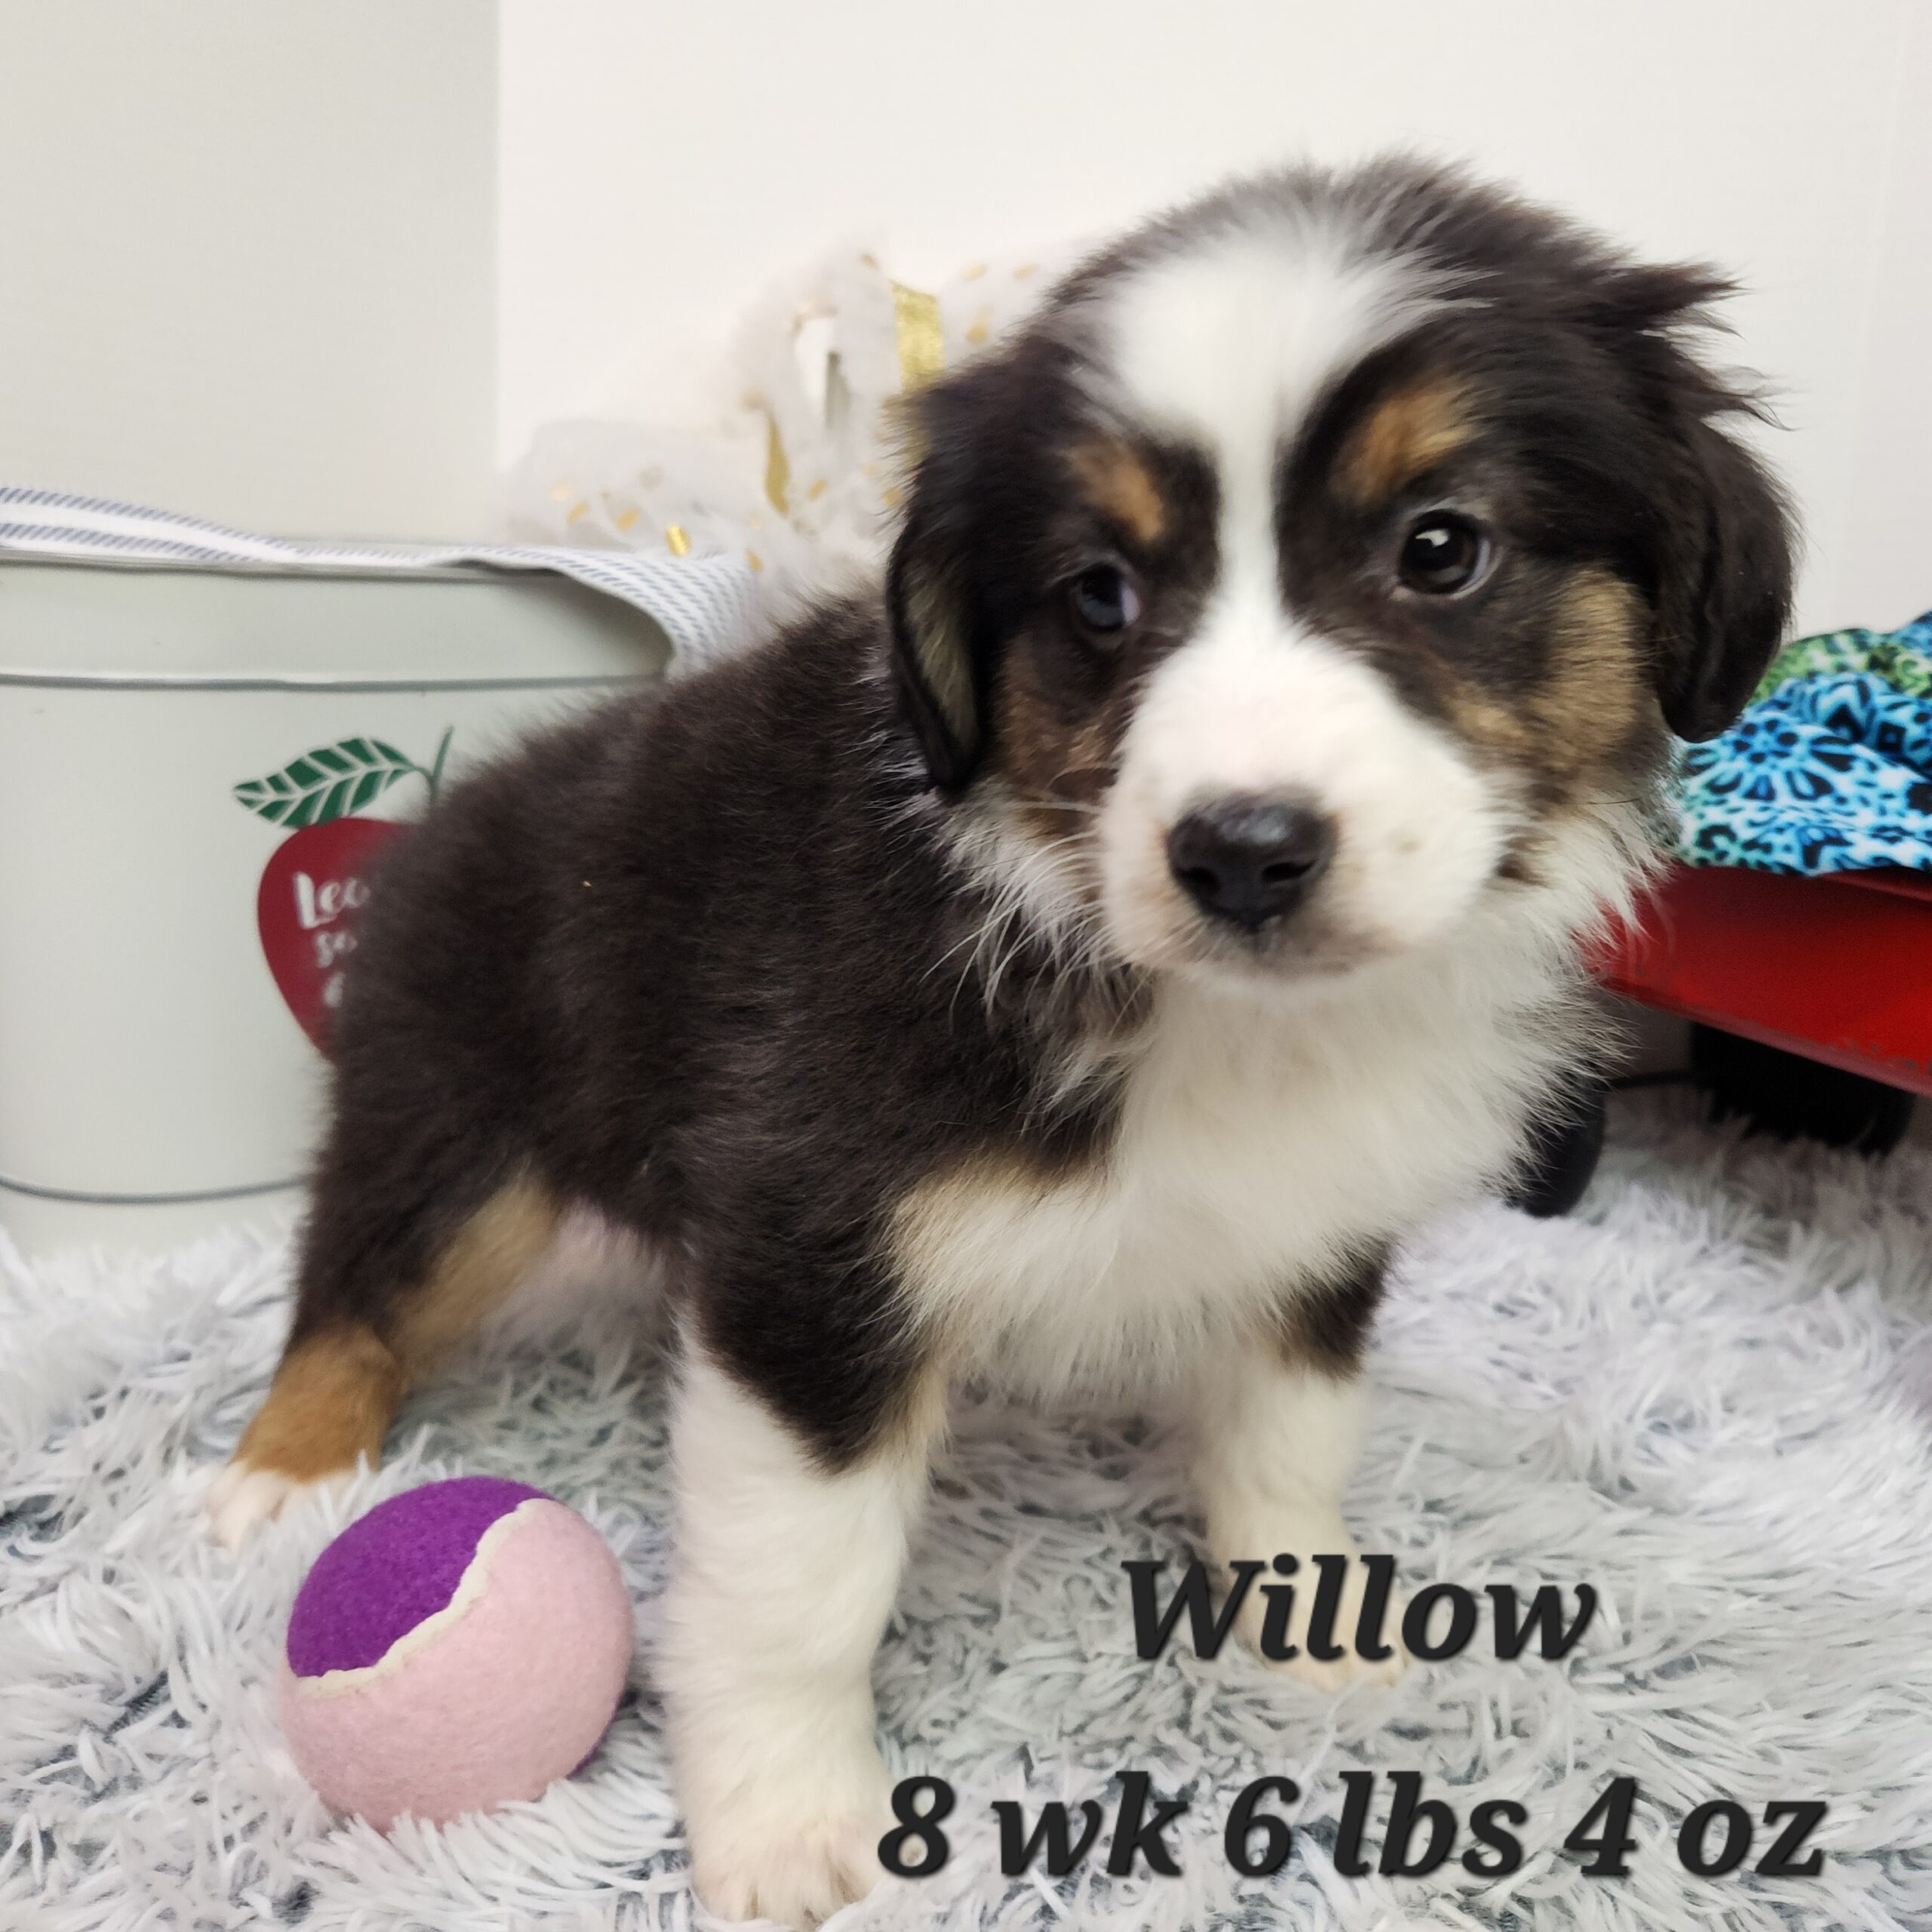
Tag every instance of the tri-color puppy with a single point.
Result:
(1076, 960)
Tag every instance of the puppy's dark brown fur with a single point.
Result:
(1079, 959)
(705, 959)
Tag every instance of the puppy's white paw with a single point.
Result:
(1335, 1674)
(795, 1852)
(242, 1497)
(1331, 1675)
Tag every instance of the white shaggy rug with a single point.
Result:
(1710, 1394)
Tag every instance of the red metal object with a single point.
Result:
(1837, 968)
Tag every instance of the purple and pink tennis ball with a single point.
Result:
(461, 1645)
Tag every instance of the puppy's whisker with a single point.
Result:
(1045, 802)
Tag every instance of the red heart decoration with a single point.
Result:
(313, 886)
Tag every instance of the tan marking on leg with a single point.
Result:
(330, 1402)
(1407, 434)
(1119, 483)
(336, 1391)
(327, 1408)
(489, 1255)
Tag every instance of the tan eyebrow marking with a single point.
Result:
(1118, 482)
(1409, 432)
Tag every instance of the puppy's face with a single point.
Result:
(1316, 558)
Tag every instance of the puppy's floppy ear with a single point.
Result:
(1722, 553)
(961, 430)
(936, 654)
(1724, 591)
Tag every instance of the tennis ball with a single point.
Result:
(461, 1645)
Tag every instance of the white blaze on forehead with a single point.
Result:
(1228, 342)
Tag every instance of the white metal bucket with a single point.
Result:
(194, 764)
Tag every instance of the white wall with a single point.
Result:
(661, 162)
(1881, 540)
(322, 265)
(247, 256)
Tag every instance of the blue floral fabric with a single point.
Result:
(1828, 770)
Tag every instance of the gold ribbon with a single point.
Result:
(777, 468)
(921, 340)
(922, 343)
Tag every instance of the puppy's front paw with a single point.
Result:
(795, 1851)
(1264, 1633)
(241, 1497)
(1335, 1674)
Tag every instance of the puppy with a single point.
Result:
(1077, 961)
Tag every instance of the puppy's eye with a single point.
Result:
(1103, 601)
(1442, 553)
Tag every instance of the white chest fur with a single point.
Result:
(1263, 1136)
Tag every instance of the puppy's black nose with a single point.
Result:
(1249, 859)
